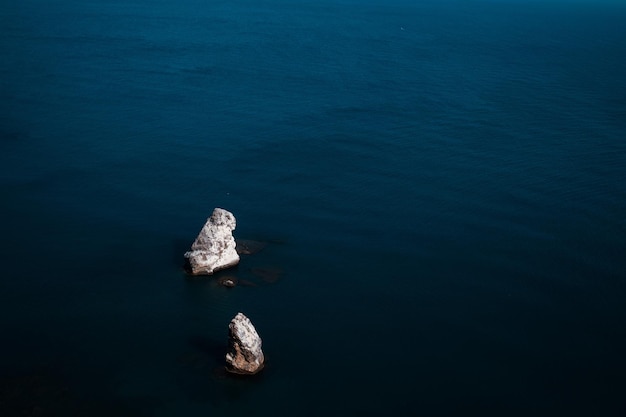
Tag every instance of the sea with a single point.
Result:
(438, 188)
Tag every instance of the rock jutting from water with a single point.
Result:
(215, 246)
(244, 354)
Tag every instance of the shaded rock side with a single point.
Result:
(215, 246)
(245, 355)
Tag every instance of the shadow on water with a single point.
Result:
(243, 276)
(250, 247)
(248, 273)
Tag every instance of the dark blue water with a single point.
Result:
(441, 183)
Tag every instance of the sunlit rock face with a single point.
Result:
(215, 246)
(245, 355)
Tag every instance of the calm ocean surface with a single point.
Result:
(442, 185)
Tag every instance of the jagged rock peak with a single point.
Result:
(245, 355)
(215, 246)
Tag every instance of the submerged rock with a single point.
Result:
(215, 246)
(228, 282)
(249, 247)
(245, 355)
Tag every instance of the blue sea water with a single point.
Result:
(440, 183)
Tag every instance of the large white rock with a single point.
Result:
(245, 355)
(215, 246)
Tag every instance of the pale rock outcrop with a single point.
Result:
(245, 355)
(215, 246)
